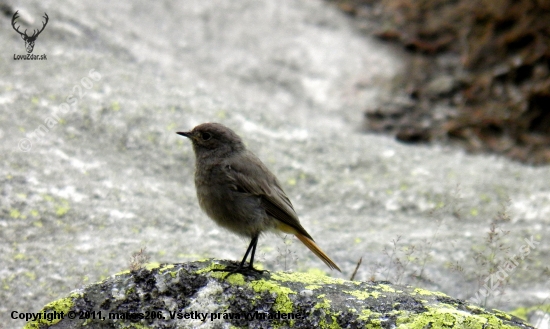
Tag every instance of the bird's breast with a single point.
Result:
(230, 208)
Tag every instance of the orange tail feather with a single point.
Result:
(317, 251)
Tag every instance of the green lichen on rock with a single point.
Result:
(452, 318)
(428, 293)
(311, 278)
(188, 295)
(59, 308)
(523, 312)
(329, 318)
(363, 295)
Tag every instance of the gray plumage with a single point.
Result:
(238, 192)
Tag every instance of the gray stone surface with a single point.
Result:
(189, 295)
(292, 77)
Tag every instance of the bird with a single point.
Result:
(239, 193)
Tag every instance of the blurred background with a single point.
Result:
(413, 135)
(479, 73)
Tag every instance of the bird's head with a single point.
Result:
(214, 138)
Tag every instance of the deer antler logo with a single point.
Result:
(29, 40)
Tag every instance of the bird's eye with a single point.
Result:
(206, 136)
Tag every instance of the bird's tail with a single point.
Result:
(317, 251)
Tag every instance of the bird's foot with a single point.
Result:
(246, 271)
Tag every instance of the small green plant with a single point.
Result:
(489, 261)
(399, 258)
(490, 256)
(287, 256)
(138, 259)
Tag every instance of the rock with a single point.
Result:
(292, 78)
(440, 85)
(188, 295)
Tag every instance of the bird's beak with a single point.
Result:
(186, 134)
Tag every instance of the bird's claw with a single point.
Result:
(246, 271)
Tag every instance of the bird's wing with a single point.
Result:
(253, 177)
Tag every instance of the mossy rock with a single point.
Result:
(190, 295)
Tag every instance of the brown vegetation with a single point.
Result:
(484, 64)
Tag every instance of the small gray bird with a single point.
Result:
(239, 193)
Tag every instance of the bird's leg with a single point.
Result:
(253, 243)
(241, 269)
(251, 246)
